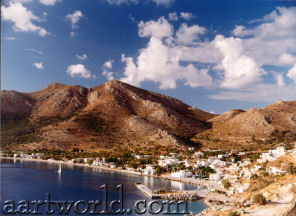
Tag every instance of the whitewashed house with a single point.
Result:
(215, 177)
(272, 155)
(167, 162)
(149, 170)
(233, 167)
(181, 174)
(275, 171)
(241, 188)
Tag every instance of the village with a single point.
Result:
(214, 170)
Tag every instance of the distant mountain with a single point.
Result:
(119, 116)
(112, 115)
(261, 128)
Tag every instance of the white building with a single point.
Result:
(167, 162)
(215, 177)
(218, 164)
(149, 170)
(241, 188)
(275, 171)
(272, 155)
(201, 164)
(233, 167)
(181, 174)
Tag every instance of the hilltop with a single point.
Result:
(118, 116)
(114, 115)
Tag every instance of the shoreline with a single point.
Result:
(190, 181)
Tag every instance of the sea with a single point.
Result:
(26, 183)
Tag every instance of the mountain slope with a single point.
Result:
(113, 115)
(272, 124)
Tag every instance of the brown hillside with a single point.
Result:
(114, 114)
(275, 123)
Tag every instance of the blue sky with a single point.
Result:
(214, 55)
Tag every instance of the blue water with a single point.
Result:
(30, 180)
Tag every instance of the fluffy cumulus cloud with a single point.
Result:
(186, 15)
(49, 2)
(259, 93)
(38, 65)
(292, 73)
(158, 29)
(78, 70)
(107, 67)
(273, 41)
(119, 2)
(164, 2)
(234, 65)
(74, 18)
(22, 18)
(160, 61)
(186, 35)
(157, 2)
(82, 57)
(173, 16)
(239, 69)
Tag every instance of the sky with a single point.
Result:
(213, 55)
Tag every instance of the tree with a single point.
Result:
(226, 183)
(254, 176)
(233, 214)
(90, 162)
(259, 199)
(291, 169)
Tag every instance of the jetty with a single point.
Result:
(147, 191)
(172, 195)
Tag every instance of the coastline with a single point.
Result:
(195, 182)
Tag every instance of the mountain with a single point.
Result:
(114, 115)
(261, 128)
(117, 116)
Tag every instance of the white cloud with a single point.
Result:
(10, 38)
(49, 2)
(19, 1)
(78, 70)
(292, 73)
(268, 41)
(240, 30)
(35, 51)
(119, 2)
(83, 57)
(186, 15)
(164, 2)
(287, 59)
(74, 18)
(279, 78)
(161, 64)
(73, 34)
(159, 29)
(235, 63)
(107, 66)
(173, 16)
(22, 18)
(239, 69)
(38, 65)
(186, 35)
(157, 2)
(259, 93)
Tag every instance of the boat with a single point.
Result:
(60, 169)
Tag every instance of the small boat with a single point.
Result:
(60, 169)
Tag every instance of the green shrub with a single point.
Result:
(233, 214)
(254, 176)
(226, 183)
(259, 199)
(291, 169)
